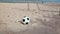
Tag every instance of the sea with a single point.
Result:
(30, 1)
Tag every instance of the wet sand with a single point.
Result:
(44, 18)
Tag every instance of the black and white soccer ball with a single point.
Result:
(25, 20)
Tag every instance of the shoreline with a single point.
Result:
(34, 2)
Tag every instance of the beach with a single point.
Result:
(44, 18)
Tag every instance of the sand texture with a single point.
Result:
(44, 18)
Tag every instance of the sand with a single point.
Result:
(44, 18)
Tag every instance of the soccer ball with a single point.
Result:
(25, 20)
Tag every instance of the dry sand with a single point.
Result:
(44, 18)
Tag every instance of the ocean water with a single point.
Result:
(32, 1)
